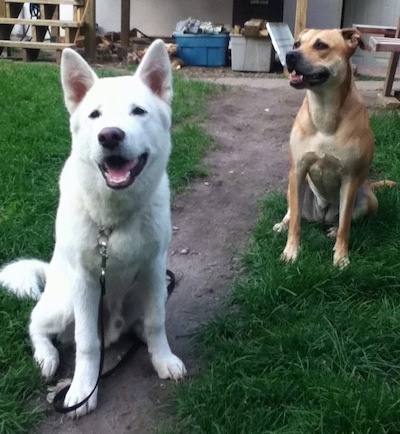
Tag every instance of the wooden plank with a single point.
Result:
(51, 2)
(382, 43)
(70, 35)
(34, 34)
(301, 17)
(46, 23)
(55, 31)
(35, 45)
(125, 22)
(376, 30)
(90, 31)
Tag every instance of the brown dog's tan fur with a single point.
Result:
(331, 143)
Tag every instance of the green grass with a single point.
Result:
(362, 77)
(34, 142)
(307, 348)
(189, 139)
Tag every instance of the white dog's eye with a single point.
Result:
(95, 114)
(138, 111)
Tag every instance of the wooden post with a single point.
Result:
(394, 60)
(125, 22)
(55, 30)
(90, 31)
(4, 34)
(301, 17)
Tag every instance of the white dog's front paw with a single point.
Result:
(280, 227)
(48, 359)
(332, 232)
(76, 394)
(169, 366)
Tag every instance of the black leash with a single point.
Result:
(58, 402)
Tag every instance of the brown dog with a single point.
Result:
(331, 143)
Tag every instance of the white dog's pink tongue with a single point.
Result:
(120, 173)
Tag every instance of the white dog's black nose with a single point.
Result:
(110, 138)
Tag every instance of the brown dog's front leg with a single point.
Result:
(295, 199)
(348, 192)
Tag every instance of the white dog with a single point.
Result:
(115, 179)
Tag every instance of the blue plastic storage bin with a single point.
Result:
(202, 49)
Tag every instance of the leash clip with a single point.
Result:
(102, 245)
(102, 240)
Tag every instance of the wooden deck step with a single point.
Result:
(45, 23)
(51, 2)
(35, 45)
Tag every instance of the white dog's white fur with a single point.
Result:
(139, 107)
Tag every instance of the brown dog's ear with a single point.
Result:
(296, 43)
(353, 39)
(303, 32)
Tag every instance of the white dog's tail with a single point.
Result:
(24, 278)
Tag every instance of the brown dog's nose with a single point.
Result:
(292, 57)
(110, 138)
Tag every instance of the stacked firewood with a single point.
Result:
(109, 48)
(252, 28)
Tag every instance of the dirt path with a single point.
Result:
(250, 124)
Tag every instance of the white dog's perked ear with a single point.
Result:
(155, 71)
(77, 77)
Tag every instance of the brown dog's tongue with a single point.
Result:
(295, 78)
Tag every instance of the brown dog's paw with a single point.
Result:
(341, 262)
(289, 254)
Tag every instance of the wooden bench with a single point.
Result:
(388, 42)
(376, 30)
(383, 43)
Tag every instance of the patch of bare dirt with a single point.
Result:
(250, 126)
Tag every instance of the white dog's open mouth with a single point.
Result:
(121, 173)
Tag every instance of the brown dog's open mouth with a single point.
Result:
(121, 173)
(301, 81)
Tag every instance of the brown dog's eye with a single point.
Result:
(296, 44)
(319, 45)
